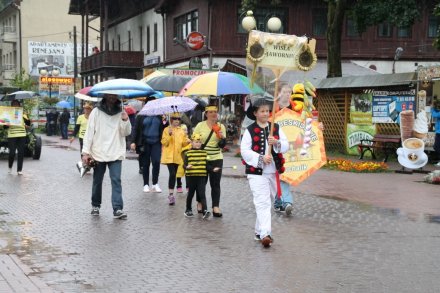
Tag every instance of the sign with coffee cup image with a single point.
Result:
(412, 155)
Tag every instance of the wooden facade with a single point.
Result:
(220, 20)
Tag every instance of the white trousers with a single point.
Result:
(264, 189)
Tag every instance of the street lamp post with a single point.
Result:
(52, 73)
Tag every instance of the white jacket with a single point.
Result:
(104, 139)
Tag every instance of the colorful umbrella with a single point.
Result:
(168, 105)
(19, 95)
(168, 83)
(127, 88)
(216, 84)
(82, 95)
(130, 110)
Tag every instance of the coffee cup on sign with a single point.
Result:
(413, 149)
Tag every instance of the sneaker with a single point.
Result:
(119, 214)
(257, 237)
(188, 214)
(95, 211)
(266, 241)
(171, 200)
(206, 214)
(278, 209)
(156, 188)
(10, 171)
(146, 188)
(20, 173)
(288, 209)
(179, 190)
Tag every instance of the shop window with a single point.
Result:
(148, 40)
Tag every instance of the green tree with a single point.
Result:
(365, 13)
(24, 82)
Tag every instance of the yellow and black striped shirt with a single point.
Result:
(196, 158)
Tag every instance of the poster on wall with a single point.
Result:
(388, 104)
(360, 109)
(52, 55)
(355, 133)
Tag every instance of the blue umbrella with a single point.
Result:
(127, 88)
(64, 104)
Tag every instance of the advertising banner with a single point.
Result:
(52, 55)
(387, 105)
(360, 109)
(355, 133)
(306, 152)
(11, 115)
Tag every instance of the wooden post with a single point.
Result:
(277, 73)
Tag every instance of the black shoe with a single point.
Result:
(95, 211)
(206, 214)
(188, 214)
(217, 215)
(257, 237)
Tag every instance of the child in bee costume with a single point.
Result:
(261, 167)
(196, 172)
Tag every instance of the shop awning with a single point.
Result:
(368, 81)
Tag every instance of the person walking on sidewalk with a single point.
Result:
(174, 138)
(64, 123)
(17, 141)
(261, 166)
(196, 172)
(146, 141)
(104, 143)
(81, 125)
(284, 202)
(214, 139)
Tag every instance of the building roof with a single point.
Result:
(319, 72)
(368, 81)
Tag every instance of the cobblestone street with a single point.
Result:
(349, 244)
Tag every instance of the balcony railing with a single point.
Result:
(8, 29)
(115, 59)
(7, 67)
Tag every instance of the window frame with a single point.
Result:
(184, 24)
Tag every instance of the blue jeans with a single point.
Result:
(63, 128)
(115, 177)
(286, 195)
(152, 153)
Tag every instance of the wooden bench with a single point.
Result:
(385, 143)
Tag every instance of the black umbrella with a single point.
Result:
(168, 83)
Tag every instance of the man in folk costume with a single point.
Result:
(262, 166)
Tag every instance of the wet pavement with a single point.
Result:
(348, 233)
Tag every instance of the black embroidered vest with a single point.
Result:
(259, 137)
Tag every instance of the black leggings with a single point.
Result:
(196, 184)
(172, 168)
(214, 180)
(16, 144)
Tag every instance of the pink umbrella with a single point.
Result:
(85, 90)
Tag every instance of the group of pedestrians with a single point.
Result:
(55, 120)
